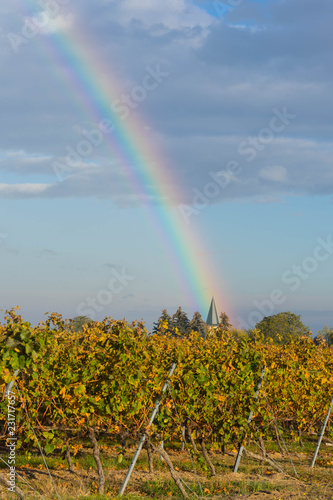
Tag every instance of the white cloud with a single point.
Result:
(36, 159)
(174, 14)
(60, 23)
(275, 173)
(16, 190)
(21, 162)
(246, 27)
(46, 24)
(23, 156)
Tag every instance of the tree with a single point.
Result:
(327, 334)
(79, 322)
(164, 323)
(197, 324)
(280, 327)
(224, 321)
(181, 321)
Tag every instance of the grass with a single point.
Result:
(254, 478)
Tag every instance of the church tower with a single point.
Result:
(212, 318)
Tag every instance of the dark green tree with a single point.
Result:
(224, 322)
(181, 321)
(197, 324)
(282, 326)
(164, 323)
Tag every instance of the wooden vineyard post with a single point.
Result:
(183, 438)
(322, 432)
(162, 447)
(249, 420)
(144, 435)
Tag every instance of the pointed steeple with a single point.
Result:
(212, 318)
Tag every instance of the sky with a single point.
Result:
(153, 154)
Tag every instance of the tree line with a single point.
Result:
(180, 325)
(279, 327)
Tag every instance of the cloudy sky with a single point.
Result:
(236, 99)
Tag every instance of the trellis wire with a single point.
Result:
(281, 436)
(23, 479)
(269, 456)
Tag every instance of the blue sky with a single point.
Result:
(251, 87)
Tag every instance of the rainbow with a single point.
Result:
(95, 87)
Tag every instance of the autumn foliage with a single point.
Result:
(108, 376)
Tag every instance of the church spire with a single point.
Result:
(212, 318)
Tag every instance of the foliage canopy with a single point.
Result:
(282, 327)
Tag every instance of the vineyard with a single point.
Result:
(96, 389)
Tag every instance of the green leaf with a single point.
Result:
(11, 343)
(49, 448)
